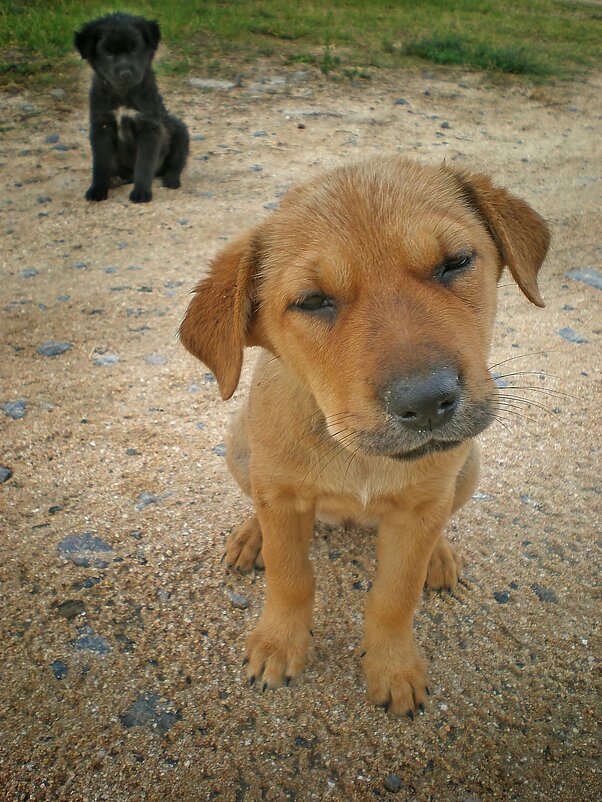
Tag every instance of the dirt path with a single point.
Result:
(120, 676)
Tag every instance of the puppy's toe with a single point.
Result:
(276, 651)
(138, 195)
(397, 678)
(444, 567)
(243, 547)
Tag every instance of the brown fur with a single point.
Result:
(316, 436)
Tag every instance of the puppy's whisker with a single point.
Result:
(524, 356)
(526, 401)
(544, 390)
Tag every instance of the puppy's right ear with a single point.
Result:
(85, 40)
(216, 326)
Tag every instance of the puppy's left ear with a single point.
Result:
(521, 235)
(86, 38)
(151, 32)
(218, 322)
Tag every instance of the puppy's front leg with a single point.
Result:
(396, 673)
(147, 158)
(277, 648)
(102, 141)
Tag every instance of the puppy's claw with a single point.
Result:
(264, 687)
(252, 680)
(287, 681)
(411, 715)
(363, 654)
(245, 661)
(428, 691)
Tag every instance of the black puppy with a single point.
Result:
(131, 133)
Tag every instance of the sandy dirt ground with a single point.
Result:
(121, 634)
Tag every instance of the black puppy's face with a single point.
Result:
(119, 48)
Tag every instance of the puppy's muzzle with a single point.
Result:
(424, 402)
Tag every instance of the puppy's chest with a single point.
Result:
(125, 117)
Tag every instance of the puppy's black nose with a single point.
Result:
(424, 402)
(125, 75)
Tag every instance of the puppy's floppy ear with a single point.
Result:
(216, 326)
(86, 38)
(521, 235)
(150, 31)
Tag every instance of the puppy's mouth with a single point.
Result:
(432, 447)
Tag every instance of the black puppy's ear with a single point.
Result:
(150, 31)
(86, 39)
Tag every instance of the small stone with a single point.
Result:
(401, 101)
(259, 133)
(102, 360)
(145, 498)
(43, 199)
(82, 550)
(58, 93)
(60, 669)
(393, 783)
(501, 596)
(29, 272)
(53, 348)
(544, 594)
(219, 449)
(301, 741)
(301, 126)
(151, 710)
(80, 265)
(88, 641)
(238, 601)
(5, 474)
(62, 148)
(209, 378)
(445, 125)
(155, 359)
(588, 275)
(211, 83)
(52, 139)
(256, 168)
(569, 334)
(197, 137)
(15, 409)
(63, 298)
(71, 608)
(132, 452)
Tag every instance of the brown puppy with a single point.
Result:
(372, 291)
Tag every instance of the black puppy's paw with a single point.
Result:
(96, 193)
(172, 181)
(138, 195)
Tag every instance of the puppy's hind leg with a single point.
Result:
(147, 157)
(176, 155)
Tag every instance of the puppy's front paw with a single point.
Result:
(172, 181)
(397, 676)
(276, 651)
(444, 567)
(138, 195)
(96, 193)
(243, 547)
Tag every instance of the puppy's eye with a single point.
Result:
(453, 266)
(314, 302)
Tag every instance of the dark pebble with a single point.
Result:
(52, 348)
(132, 452)
(219, 449)
(103, 360)
(569, 334)
(393, 783)
(80, 265)
(256, 168)
(42, 199)
(271, 206)
(88, 641)
(54, 509)
(301, 126)
(259, 133)
(501, 596)
(29, 272)
(15, 409)
(145, 498)
(151, 710)
(588, 275)
(568, 308)
(209, 378)
(5, 474)
(197, 137)
(334, 554)
(301, 741)
(62, 148)
(71, 608)
(200, 425)
(60, 669)
(52, 139)
(544, 594)
(445, 125)
(238, 601)
(82, 550)
(63, 298)
(401, 101)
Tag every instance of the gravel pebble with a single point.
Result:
(238, 601)
(393, 783)
(5, 474)
(53, 348)
(15, 409)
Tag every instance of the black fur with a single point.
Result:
(131, 133)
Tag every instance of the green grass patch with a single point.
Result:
(539, 39)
